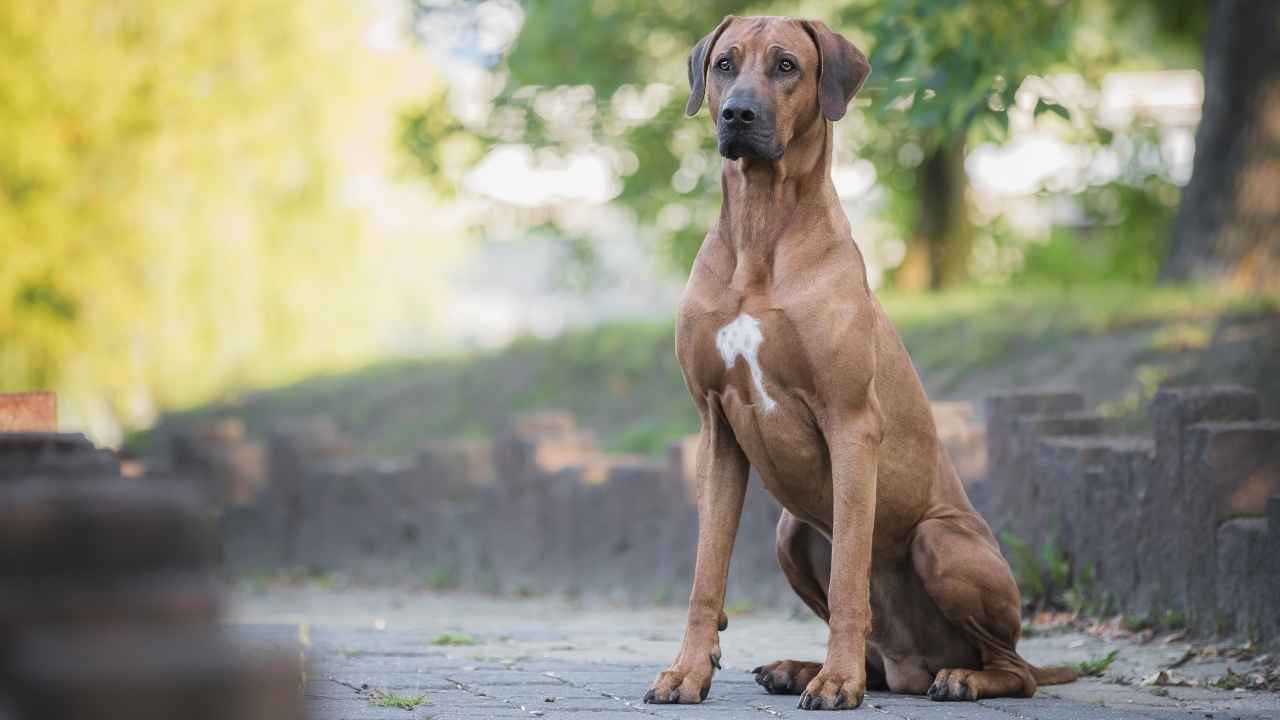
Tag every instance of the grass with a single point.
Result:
(1043, 575)
(1231, 681)
(442, 579)
(1169, 620)
(453, 639)
(384, 698)
(1096, 666)
(624, 383)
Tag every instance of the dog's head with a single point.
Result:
(767, 78)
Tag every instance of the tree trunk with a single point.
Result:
(1228, 226)
(938, 254)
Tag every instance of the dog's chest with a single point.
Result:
(740, 340)
(750, 354)
(753, 360)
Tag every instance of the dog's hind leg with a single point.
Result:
(964, 573)
(805, 557)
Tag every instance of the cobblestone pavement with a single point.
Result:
(397, 655)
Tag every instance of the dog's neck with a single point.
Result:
(762, 197)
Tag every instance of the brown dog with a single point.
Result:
(796, 371)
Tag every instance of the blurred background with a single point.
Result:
(417, 216)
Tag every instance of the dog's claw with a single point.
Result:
(757, 670)
(648, 697)
(715, 661)
(703, 695)
(840, 702)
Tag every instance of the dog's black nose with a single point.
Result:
(739, 111)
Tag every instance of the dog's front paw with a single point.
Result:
(683, 683)
(833, 689)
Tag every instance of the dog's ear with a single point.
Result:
(698, 60)
(842, 69)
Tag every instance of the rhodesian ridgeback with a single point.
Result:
(796, 371)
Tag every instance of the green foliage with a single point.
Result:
(608, 76)
(453, 639)
(942, 66)
(1082, 597)
(172, 221)
(399, 701)
(1096, 666)
(442, 578)
(1043, 574)
(629, 56)
(1125, 225)
(1167, 620)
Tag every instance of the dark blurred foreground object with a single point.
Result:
(1228, 228)
(108, 602)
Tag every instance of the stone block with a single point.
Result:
(456, 468)
(227, 467)
(1245, 589)
(1244, 459)
(28, 412)
(964, 438)
(1002, 409)
(53, 456)
(152, 676)
(1228, 469)
(1174, 409)
(1044, 401)
(682, 466)
(92, 528)
(1116, 505)
(1063, 425)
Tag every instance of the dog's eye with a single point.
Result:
(724, 65)
(786, 65)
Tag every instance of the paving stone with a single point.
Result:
(588, 688)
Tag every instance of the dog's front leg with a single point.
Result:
(843, 679)
(722, 484)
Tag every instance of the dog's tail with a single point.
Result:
(1056, 675)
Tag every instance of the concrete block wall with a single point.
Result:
(1184, 520)
(552, 515)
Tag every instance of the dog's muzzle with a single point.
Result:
(747, 130)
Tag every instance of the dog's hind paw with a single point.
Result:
(786, 677)
(953, 685)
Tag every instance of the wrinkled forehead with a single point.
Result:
(753, 36)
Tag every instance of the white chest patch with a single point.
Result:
(742, 338)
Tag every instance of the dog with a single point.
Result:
(797, 372)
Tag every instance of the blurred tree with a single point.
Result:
(1228, 226)
(945, 73)
(599, 76)
(606, 76)
(943, 68)
(172, 211)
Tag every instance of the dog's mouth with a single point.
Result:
(754, 145)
